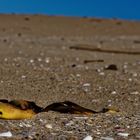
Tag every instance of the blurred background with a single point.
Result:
(121, 9)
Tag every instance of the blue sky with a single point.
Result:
(123, 9)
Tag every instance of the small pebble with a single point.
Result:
(73, 65)
(107, 138)
(39, 59)
(86, 84)
(130, 79)
(119, 129)
(47, 60)
(101, 73)
(125, 66)
(111, 67)
(78, 75)
(5, 59)
(113, 92)
(69, 123)
(123, 134)
(88, 138)
(86, 67)
(6, 134)
(25, 125)
(23, 76)
(98, 70)
(135, 74)
(31, 61)
(49, 126)
(82, 117)
(134, 93)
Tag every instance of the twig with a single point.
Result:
(104, 51)
(92, 61)
(136, 41)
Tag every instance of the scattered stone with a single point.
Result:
(86, 87)
(22, 124)
(19, 34)
(86, 84)
(88, 138)
(125, 66)
(135, 93)
(130, 80)
(6, 134)
(49, 126)
(47, 60)
(113, 92)
(23, 76)
(81, 117)
(119, 129)
(123, 134)
(27, 18)
(136, 41)
(69, 123)
(5, 59)
(31, 61)
(135, 74)
(111, 67)
(98, 70)
(78, 75)
(39, 59)
(107, 138)
(102, 73)
(1, 81)
(73, 65)
(4, 40)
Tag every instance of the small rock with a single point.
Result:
(47, 60)
(125, 66)
(107, 138)
(6, 134)
(98, 70)
(113, 92)
(102, 73)
(78, 75)
(123, 134)
(88, 138)
(49, 126)
(86, 84)
(134, 93)
(135, 74)
(111, 67)
(69, 123)
(81, 117)
(5, 59)
(73, 65)
(23, 76)
(31, 61)
(39, 59)
(130, 79)
(22, 124)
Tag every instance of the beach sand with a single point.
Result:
(39, 62)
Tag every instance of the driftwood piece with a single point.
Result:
(88, 48)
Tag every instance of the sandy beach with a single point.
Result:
(39, 62)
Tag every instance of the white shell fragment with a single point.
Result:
(6, 134)
(107, 138)
(86, 84)
(134, 93)
(49, 126)
(88, 138)
(123, 134)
